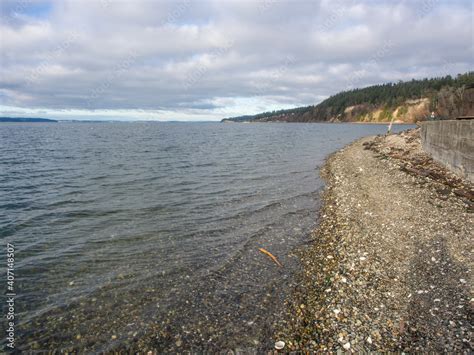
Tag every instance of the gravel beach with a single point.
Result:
(389, 268)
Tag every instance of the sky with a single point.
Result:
(207, 60)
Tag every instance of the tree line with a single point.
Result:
(389, 95)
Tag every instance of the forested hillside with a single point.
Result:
(408, 101)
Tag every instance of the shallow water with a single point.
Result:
(139, 235)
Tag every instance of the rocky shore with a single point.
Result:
(390, 265)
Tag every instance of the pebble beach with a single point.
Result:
(390, 265)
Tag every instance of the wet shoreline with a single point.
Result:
(159, 248)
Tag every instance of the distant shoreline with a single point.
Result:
(325, 122)
(26, 120)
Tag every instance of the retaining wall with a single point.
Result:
(452, 144)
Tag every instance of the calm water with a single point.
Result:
(139, 235)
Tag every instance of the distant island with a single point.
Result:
(25, 119)
(402, 102)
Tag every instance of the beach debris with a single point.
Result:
(279, 345)
(271, 256)
(347, 346)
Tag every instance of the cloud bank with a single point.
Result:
(205, 60)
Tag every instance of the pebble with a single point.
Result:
(279, 345)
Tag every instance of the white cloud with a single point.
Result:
(211, 59)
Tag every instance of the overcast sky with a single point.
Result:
(206, 60)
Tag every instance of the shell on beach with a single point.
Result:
(279, 345)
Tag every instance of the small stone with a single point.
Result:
(279, 345)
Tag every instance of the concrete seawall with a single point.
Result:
(452, 144)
